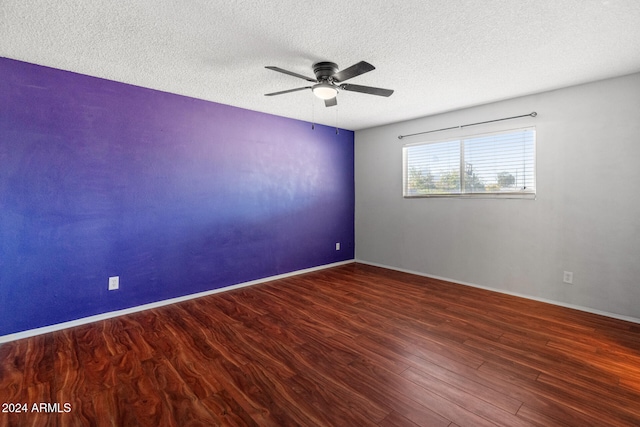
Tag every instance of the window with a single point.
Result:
(496, 164)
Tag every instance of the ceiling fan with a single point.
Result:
(329, 81)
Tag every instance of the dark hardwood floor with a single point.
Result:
(349, 346)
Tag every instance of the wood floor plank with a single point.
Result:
(351, 345)
(394, 419)
(228, 411)
(549, 401)
(441, 406)
(536, 418)
(433, 374)
(465, 400)
(370, 387)
(612, 401)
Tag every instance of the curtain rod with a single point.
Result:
(533, 114)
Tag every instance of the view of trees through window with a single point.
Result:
(500, 163)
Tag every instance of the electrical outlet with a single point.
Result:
(114, 283)
(567, 277)
(337, 246)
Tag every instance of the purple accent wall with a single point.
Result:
(173, 194)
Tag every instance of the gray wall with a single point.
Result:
(586, 218)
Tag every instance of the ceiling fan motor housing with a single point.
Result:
(324, 70)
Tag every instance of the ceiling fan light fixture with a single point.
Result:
(325, 91)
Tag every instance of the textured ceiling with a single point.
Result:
(436, 55)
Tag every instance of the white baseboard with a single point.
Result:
(109, 315)
(502, 291)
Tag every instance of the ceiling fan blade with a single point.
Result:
(353, 71)
(331, 102)
(287, 91)
(291, 73)
(367, 89)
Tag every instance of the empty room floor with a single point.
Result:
(354, 345)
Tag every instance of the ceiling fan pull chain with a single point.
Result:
(313, 114)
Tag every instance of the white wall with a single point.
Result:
(586, 218)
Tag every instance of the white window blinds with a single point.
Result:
(496, 164)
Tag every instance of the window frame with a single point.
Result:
(516, 194)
